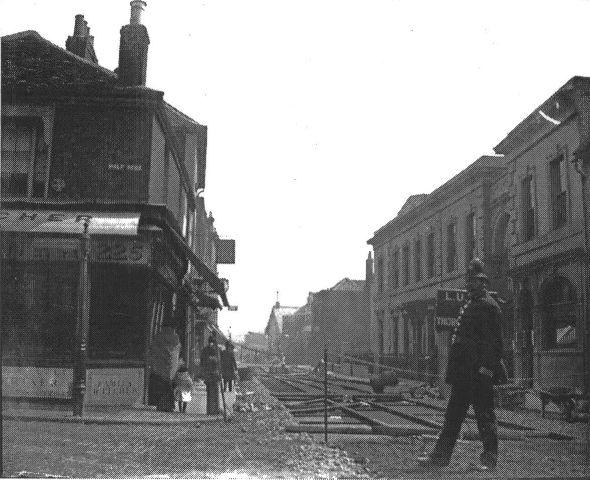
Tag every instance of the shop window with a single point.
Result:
(118, 312)
(558, 173)
(406, 260)
(39, 309)
(451, 247)
(430, 255)
(24, 157)
(559, 314)
(528, 208)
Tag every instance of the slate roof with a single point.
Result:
(33, 65)
(349, 285)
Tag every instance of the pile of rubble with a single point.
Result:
(262, 414)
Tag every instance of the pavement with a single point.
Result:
(106, 415)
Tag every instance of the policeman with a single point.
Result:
(474, 367)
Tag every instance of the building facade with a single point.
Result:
(425, 248)
(82, 143)
(524, 212)
(548, 257)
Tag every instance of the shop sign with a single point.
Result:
(102, 249)
(120, 250)
(37, 382)
(115, 386)
(448, 304)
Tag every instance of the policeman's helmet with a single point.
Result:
(475, 269)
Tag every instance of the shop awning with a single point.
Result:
(204, 271)
(70, 222)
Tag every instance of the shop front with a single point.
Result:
(135, 275)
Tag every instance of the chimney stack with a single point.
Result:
(81, 43)
(133, 48)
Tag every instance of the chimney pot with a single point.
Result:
(79, 26)
(137, 7)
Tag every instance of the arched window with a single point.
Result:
(558, 305)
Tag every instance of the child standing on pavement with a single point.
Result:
(183, 387)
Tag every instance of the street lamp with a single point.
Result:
(82, 321)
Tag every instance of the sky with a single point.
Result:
(325, 115)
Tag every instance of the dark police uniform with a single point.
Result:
(476, 343)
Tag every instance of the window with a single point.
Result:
(406, 336)
(406, 260)
(451, 247)
(417, 333)
(418, 259)
(39, 309)
(24, 157)
(396, 268)
(558, 308)
(528, 208)
(558, 174)
(470, 236)
(380, 274)
(430, 255)
(118, 309)
(395, 339)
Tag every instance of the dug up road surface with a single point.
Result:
(254, 444)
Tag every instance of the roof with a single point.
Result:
(277, 313)
(485, 167)
(33, 65)
(349, 285)
(412, 202)
(546, 116)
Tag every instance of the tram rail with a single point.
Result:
(355, 409)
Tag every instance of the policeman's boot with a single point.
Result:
(440, 456)
(487, 462)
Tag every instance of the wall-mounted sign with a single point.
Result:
(36, 382)
(104, 386)
(114, 386)
(226, 251)
(125, 167)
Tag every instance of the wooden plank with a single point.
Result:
(345, 428)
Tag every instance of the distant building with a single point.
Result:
(297, 333)
(274, 327)
(340, 320)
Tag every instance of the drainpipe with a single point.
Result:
(586, 263)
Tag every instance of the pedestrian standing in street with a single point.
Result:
(211, 374)
(475, 365)
(229, 367)
(183, 388)
(164, 354)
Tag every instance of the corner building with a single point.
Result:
(80, 141)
